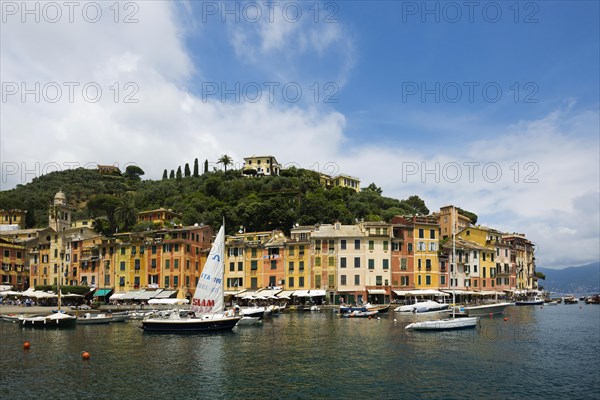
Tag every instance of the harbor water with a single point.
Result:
(549, 352)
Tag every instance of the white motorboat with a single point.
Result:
(444, 324)
(89, 319)
(486, 309)
(422, 306)
(253, 312)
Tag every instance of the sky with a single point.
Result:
(490, 106)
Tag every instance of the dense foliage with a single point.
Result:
(258, 204)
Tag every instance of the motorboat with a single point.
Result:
(530, 302)
(56, 320)
(359, 314)
(422, 306)
(444, 324)
(486, 309)
(89, 319)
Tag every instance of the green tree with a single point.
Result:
(165, 176)
(133, 172)
(178, 174)
(374, 188)
(196, 168)
(30, 219)
(172, 174)
(416, 205)
(104, 205)
(186, 170)
(226, 161)
(205, 166)
(126, 214)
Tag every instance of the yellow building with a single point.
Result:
(13, 217)
(159, 216)
(341, 180)
(261, 166)
(487, 238)
(445, 217)
(298, 259)
(244, 261)
(426, 245)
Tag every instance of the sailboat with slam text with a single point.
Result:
(447, 323)
(207, 310)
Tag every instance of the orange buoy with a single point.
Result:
(85, 355)
(506, 318)
(369, 317)
(26, 345)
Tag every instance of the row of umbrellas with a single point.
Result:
(36, 294)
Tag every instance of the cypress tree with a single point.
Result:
(187, 170)
(196, 167)
(172, 174)
(164, 174)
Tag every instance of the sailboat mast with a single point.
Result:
(453, 266)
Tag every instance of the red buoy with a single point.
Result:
(26, 345)
(491, 315)
(85, 355)
(506, 318)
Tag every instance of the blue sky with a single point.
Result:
(371, 60)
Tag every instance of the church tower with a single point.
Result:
(59, 214)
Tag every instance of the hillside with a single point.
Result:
(572, 280)
(258, 204)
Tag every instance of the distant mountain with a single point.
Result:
(572, 280)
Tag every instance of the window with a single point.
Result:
(432, 246)
(421, 233)
(291, 281)
(254, 283)
(292, 250)
(483, 254)
(331, 262)
(301, 281)
(442, 279)
(371, 263)
(419, 264)
(231, 266)
(484, 272)
(396, 246)
(153, 263)
(371, 245)
(356, 262)
(253, 265)
(187, 281)
(317, 245)
(385, 245)
(343, 244)
(301, 266)
(291, 265)
(427, 264)
(428, 280)
(167, 282)
(301, 250)
(272, 281)
(253, 253)
(121, 281)
(317, 261)
(176, 281)
(153, 249)
(357, 244)
(343, 280)
(403, 263)
(122, 266)
(357, 279)
(318, 281)
(421, 246)
(167, 264)
(331, 280)
(273, 265)
(386, 264)
(404, 280)
(419, 280)
(342, 262)
(432, 234)
(122, 250)
(240, 265)
(475, 269)
(410, 247)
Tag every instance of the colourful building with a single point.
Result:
(14, 270)
(261, 166)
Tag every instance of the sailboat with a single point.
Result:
(207, 309)
(447, 323)
(56, 320)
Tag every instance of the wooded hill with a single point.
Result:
(258, 204)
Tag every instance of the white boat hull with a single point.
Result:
(444, 324)
(486, 309)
